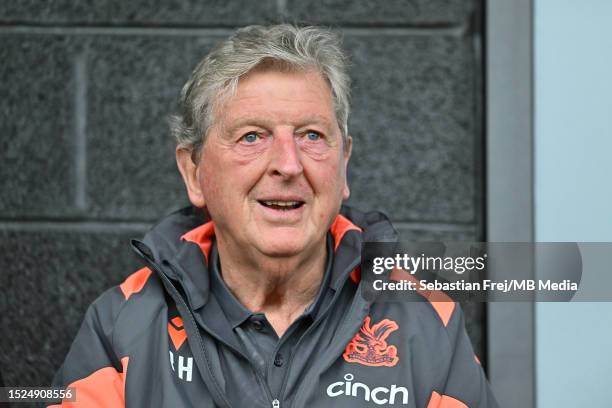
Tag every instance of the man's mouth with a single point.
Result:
(281, 205)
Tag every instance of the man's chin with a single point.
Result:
(282, 244)
(285, 241)
(281, 249)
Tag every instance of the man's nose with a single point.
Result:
(285, 157)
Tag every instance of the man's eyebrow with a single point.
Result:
(316, 120)
(244, 121)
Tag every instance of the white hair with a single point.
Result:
(281, 46)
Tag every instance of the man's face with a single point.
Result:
(273, 169)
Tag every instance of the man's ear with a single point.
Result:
(347, 156)
(189, 171)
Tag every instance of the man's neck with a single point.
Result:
(281, 288)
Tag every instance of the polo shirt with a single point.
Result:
(266, 352)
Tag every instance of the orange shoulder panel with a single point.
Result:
(440, 301)
(341, 226)
(135, 282)
(202, 236)
(444, 401)
(102, 388)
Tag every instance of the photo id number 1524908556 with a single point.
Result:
(37, 394)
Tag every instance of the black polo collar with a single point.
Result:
(235, 312)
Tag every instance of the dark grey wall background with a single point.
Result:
(87, 163)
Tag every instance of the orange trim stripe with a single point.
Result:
(339, 227)
(444, 401)
(103, 388)
(201, 236)
(177, 334)
(356, 274)
(440, 301)
(178, 322)
(135, 282)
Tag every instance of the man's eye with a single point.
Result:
(250, 137)
(313, 136)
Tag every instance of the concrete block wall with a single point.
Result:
(86, 161)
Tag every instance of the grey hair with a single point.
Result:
(282, 46)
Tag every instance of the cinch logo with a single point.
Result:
(183, 366)
(369, 346)
(378, 395)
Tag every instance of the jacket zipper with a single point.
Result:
(153, 265)
(179, 300)
(309, 329)
(260, 379)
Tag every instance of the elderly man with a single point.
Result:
(253, 296)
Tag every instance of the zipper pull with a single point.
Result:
(275, 403)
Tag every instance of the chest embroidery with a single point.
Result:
(369, 346)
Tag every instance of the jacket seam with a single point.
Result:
(121, 309)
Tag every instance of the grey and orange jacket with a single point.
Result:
(143, 344)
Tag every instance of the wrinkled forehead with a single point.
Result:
(264, 89)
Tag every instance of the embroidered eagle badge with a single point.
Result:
(369, 346)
